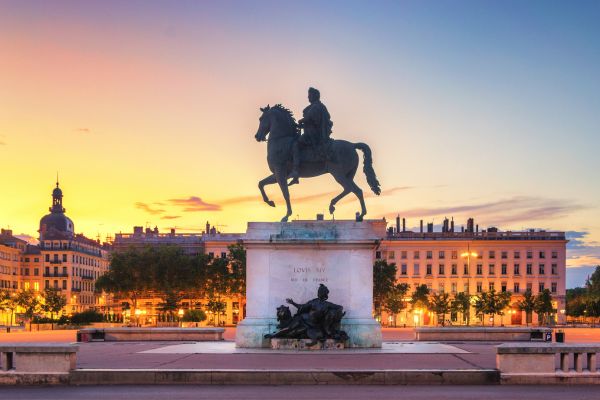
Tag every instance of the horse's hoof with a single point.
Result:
(359, 218)
(284, 219)
(271, 203)
(331, 209)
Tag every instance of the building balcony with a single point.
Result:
(55, 262)
(89, 277)
(75, 289)
(53, 275)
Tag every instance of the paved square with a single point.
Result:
(229, 348)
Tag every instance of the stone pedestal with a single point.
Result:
(290, 260)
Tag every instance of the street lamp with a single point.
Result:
(468, 254)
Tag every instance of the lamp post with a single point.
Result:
(468, 254)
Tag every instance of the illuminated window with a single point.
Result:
(36, 286)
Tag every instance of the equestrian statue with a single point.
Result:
(292, 155)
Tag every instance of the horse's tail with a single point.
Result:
(368, 167)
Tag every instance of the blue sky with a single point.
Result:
(148, 109)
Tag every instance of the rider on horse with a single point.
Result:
(317, 125)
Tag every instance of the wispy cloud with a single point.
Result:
(147, 208)
(2, 143)
(170, 216)
(83, 130)
(194, 204)
(582, 252)
(501, 212)
(277, 197)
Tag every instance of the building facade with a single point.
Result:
(473, 261)
(62, 260)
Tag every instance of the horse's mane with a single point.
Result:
(289, 116)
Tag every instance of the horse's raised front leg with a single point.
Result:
(281, 177)
(336, 199)
(269, 180)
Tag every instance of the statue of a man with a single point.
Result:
(317, 125)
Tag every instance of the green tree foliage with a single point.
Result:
(394, 302)
(129, 275)
(585, 302)
(28, 301)
(237, 265)
(169, 306)
(217, 307)
(194, 316)
(439, 303)
(86, 317)
(384, 281)
(576, 300)
(543, 306)
(420, 297)
(54, 301)
(462, 304)
(8, 303)
(527, 304)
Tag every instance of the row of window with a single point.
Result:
(212, 254)
(454, 254)
(4, 255)
(76, 285)
(491, 269)
(55, 272)
(492, 286)
(74, 258)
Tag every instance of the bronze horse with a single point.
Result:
(341, 159)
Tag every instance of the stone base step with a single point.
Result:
(283, 377)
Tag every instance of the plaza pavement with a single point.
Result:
(125, 355)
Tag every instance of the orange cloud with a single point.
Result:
(194, 204)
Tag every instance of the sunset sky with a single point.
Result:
(148, 110)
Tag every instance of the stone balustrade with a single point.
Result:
(150, 334)
(483, 333)
(37, 358)
(537, 362)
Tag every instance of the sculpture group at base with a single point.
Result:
(317, 320)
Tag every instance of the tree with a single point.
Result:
(54, 301)
(527, 304)
(576, 300)
(543, 306)
(170, 304)
(194, 316)
(8, 302)
(384, 281)
(173, 276)
(502, 302)
(129, 274)
(462, 304)
(217, 307)
(394, 302)
(481, 305)
(28, 300)
(420, 297)
(440, 304)
(237, 264)
(218, 284)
